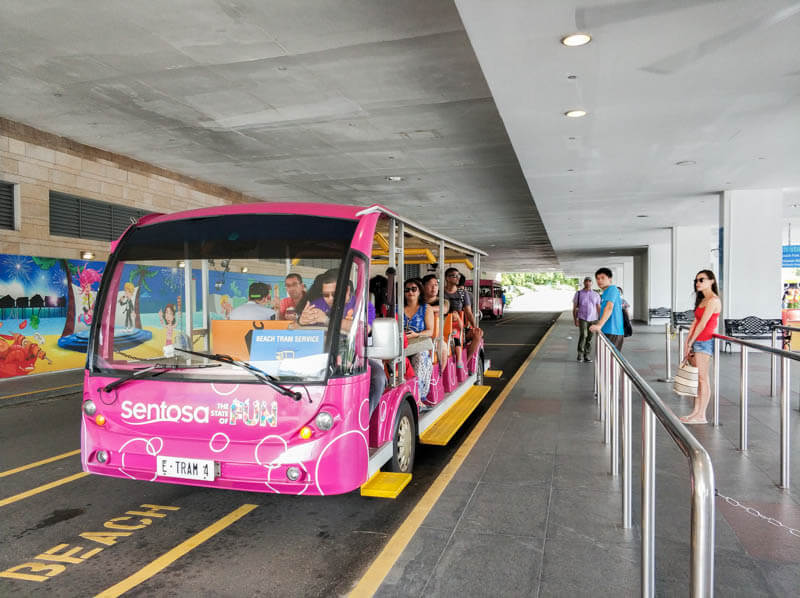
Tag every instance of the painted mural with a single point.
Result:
(43, 300)
(47, 308)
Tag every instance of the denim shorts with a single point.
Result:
(706, 347)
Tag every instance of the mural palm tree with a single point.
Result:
(46, 263)
(139, 278)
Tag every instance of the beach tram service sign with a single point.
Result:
(279, 345)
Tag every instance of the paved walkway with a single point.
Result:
(534, 512)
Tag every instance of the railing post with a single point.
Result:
(668, 346)
(743, 401)
(607, 397)
(773, 378)
(682, 332)
(627, 431)
(703, 497)
(786, 439)
(648, 500)
(716, 382)
(614, 415)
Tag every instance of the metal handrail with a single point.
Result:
(681, 328)
(785, 357)
(610, 367)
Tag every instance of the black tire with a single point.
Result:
(404, 442)
(479, 371)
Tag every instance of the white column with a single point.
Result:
(659, 271)
(691, 252)
(751, 226)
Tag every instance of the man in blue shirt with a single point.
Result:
(610, 321)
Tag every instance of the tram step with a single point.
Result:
(493, 373)
(385, 484)
(444, 428)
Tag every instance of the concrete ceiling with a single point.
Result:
(713, 82)
(284, 100)
(301, 100)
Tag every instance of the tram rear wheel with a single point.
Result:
(479, 371)
(405, 440)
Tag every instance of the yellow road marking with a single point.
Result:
(38, 463)
(384, 562)
(33, 491)
(19, 394)
(166, 559)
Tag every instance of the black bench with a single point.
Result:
(750, 327)
(660, 312)
(682, 318)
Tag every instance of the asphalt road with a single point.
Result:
(285, 546)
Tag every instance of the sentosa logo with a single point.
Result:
(151, 413)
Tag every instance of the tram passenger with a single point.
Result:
(315, 308)
(297, 291)
(431, 285)
(258, 295)
(418, 324)
(461, 302)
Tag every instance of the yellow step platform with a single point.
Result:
(444, 428)
(493, 373)
(385, 484)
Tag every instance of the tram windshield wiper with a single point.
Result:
(263, 376)
(153, 371)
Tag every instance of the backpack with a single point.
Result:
(626, 324)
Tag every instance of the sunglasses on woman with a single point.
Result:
(696, 280)
(412, 290)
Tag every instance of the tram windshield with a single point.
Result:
(219, 285)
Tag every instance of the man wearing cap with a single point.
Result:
(256, 308)
(585, 304)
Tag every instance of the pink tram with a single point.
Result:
(201, 371)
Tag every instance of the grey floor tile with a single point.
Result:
(415, 566)
(450, 506)
(507, 509)
(486, 565)
(507, 469)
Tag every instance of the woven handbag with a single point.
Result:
(686, 380)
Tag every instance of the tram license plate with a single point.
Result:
(189, 469)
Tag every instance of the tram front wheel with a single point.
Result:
(405, 440)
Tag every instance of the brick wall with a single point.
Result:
(40, 162)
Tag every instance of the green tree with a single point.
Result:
(45, 263)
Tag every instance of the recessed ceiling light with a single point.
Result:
(244, 268)
(576, 39)
(570, 170)
(795, 205)
(612, 252)
(394, 179)
(575, 113)
(572, 77)
(685, 163)
(641, 216)
(87, 255)
(571, 138)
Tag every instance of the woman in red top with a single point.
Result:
(706, 314)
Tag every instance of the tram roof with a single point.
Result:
(328, 210)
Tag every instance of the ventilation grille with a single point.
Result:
(6, 205)
(72, 216)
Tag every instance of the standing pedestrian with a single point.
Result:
(585, 305)
(610, 322)
(699, 346)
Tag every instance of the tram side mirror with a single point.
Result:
(385, 339)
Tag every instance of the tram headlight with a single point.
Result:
(101, 456)
(324, 421)
(293, 474)
(89, 408)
